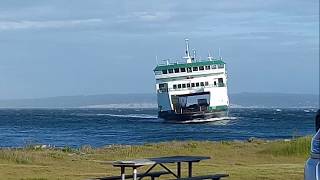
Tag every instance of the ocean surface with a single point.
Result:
(100, 127)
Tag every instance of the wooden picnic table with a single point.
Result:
(153, 162)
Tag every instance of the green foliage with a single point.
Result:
(68, 149)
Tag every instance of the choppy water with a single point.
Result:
(99, 127)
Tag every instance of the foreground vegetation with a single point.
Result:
(242, 160)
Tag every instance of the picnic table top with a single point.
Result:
(159, 160)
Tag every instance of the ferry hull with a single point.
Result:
(193, 117)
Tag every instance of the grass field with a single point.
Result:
(241, 160)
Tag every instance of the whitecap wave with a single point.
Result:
(123, 106)
(221, 120)
(142, 116)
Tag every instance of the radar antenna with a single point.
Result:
(210, 57)
(194, 54)
(220, 54)
(188, 58)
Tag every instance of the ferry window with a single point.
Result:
(170, 70)
(183, 85)
(206, 83)
(220, 66)
(189, 69)
(207, 67)
(192, 84)
(202, 83)
(182, 69)
(174, 86)
(215, 83)
(164, 72)
(179, 85)
(197, 84)
(201, 68)
(214, 67)
(176, 70)
(163, 87)
(220, 82)
(195, 68)
(188, 85)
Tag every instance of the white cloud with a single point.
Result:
(143, 16)
(14, 25)
(153, 17)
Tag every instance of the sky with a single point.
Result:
(82, 47)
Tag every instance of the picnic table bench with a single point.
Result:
(152, 175)
(161, 161)
(213, 177)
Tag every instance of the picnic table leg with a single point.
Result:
(190, 169)
(179, 169)
(134, 173)
(123, 175)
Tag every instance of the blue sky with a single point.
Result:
(82, 47)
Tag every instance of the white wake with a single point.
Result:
(142, 116)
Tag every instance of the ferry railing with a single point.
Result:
(198, 88)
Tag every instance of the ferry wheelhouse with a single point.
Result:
(192, 90)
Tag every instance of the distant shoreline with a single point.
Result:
(240, 100)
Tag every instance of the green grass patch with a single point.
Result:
(257, 159)
(295, 147)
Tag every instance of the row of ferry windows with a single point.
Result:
(190, 69)
(188, 85)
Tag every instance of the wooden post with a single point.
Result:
(134, 173)
(123, 175)
(179, 169)
(190, 169)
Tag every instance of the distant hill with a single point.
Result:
(91, 101)
(274, 100)
(240, 100)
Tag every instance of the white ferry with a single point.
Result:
(193, 90)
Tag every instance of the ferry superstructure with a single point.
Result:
(192, 90)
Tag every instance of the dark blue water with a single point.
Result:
(99, 127)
